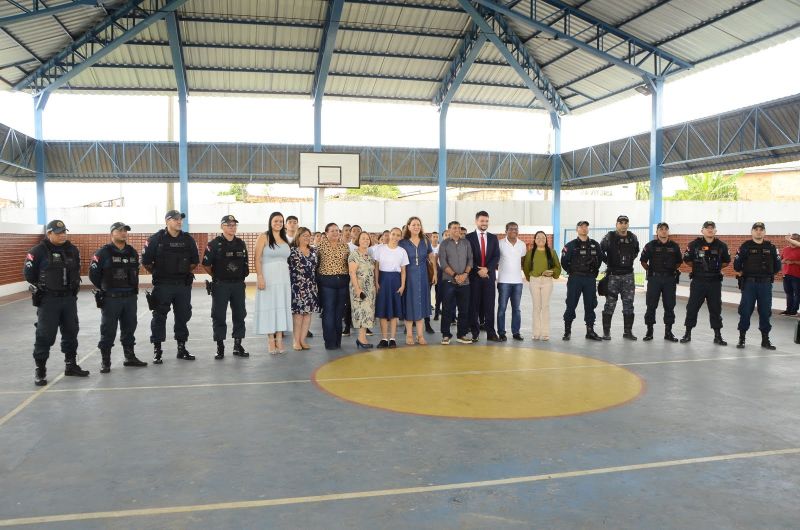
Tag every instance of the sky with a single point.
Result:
(761, 76)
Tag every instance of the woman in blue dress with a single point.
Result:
(274, 294)
(417, 294)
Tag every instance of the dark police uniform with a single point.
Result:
(228, 261)
(55, 272)
(115, 272)
(757, 263)
(707, 261)
(172, 259)
(663, 261)
(581, 260)
(621, 252)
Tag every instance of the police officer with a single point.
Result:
(621, 248)
(661, 258)
(171, 256)
(707, 256)
(225, 259)
(581, 259)
(115, 273)
(757, 260)
(53, 268)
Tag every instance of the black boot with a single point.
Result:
(183, 353)
(718, 338)
(649, 334)
(157, 353)
(687, 336)
(105, 360)
(71, 368)
(238, 349)
(590, 334)
(668, 333)
(567, 330)
(607, 326)
(130, 357)
(628, 327)
(765, 343)
(40, 375)
(742, 334)
(428, 328)
(220, 350)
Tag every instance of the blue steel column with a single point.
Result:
(39, 103)
(180, 81)
(656, 156)
(317, 149)
(443, 166)
(555, 119)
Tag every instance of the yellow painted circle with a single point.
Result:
(479, 381)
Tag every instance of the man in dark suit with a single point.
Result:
(486, 257)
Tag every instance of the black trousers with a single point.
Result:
(333, 290)
(225, 293)
(118, 310)
(578, 286)
(454, 295)
(482, 293)
(179, 298)
(54, 313)
(705, 291)
(660, 288)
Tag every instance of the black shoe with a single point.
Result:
(383, 344)
(649, 333)
(183, 353)
(220, 350)
(361, 345)
(718, 338)
(628, 327)
(71, 368)
(502, 337)
(765, 343)
(495, 338)
(131, 359)
(567, 331)
(591, 335)
(607, 326)
(668, 336)
(392, 343)
(40, 376)
(310, 335)
(157, 353)
(474, 338)
(238, 349)
(740, 344)
(687, 336)
(464, 340)
(517, 336)
(428, 328)
(369, 332)
(346, 332)
(105, 360)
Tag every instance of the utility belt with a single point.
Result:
(57, 294)
(662, 273)
(706, 277)
(228, 281)
(121, 294)
(584, 274)
(172, 281)
(757, 279)
(619, 273)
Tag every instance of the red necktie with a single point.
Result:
(483, 251)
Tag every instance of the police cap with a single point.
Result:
(120, 225)
(56, 226)
(708, 224)
(174, 214)
(622, 219)
(581, 223)
(228, 219)
(759, 224)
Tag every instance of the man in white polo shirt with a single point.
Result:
(509, 281)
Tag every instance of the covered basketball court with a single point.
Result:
(523, 435)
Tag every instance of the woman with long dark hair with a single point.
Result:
(417, 294)
(274, 294)
(540, 267)
(333, 278)
(303, 276)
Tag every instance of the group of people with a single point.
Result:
(354, 278)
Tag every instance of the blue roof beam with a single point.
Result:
(176, 50)
(496, 28)
(631, 53)
(327, 44)
(39, 9)
(106, 36)
(467, 52)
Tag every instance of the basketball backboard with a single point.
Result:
(330, 170)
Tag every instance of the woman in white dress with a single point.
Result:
(274, 295)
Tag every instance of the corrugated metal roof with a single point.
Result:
(393, 49)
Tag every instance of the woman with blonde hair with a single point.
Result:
(417, 295)
(303, 280)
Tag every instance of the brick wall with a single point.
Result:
(12, 255)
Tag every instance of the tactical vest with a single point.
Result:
(585, 257)
(707, 258)
(758, 260)
(63, 271)
(664, 258)
(123, 273)
(229, 260)
(622, 252)
(173, 257)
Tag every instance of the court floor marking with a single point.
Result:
(403, 376)
(286, 501)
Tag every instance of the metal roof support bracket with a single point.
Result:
(43, 11)
(105, 37)
(641, 58)
(656, 154)
(179, 66)
(467, 52)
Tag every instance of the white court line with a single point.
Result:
(263, 503)
(406, 376)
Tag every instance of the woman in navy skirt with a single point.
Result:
(390, 265)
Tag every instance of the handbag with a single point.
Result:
(431, 271)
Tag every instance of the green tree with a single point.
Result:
(239, 191)
(642, 191)
(712, 186)
(385, 191)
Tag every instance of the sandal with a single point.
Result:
(272, 346)
(409, 340)
(279, 344)
(304, 346)
(421, 340)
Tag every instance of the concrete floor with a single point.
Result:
(252, 443)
